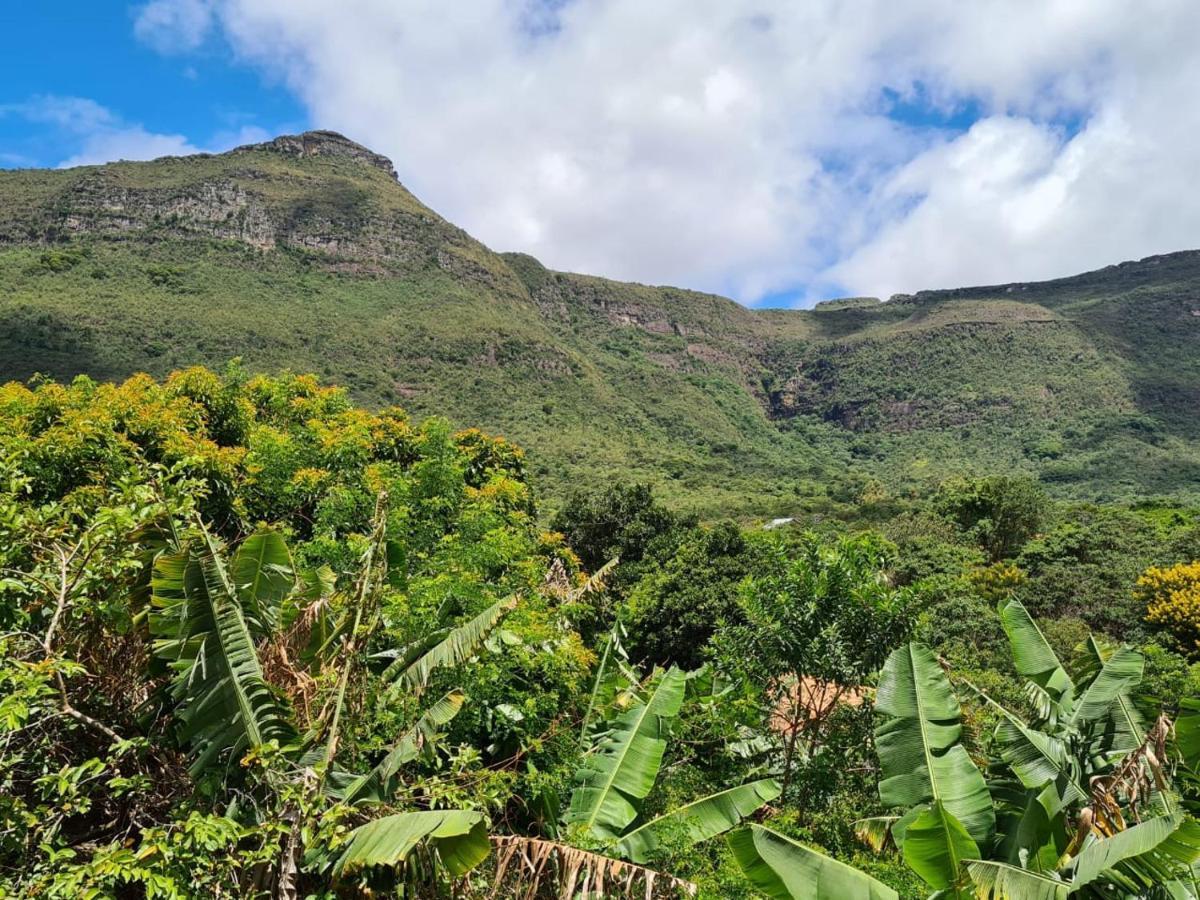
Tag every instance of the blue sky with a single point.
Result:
(776, 151)
(88, 50)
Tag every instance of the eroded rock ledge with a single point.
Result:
(323, 143)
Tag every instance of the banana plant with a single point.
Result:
(621, 767)
(212, 617)
(1078, 800)
(203, 628)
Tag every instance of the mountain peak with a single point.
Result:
(322, 143)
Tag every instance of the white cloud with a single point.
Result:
(96, 134)
(75, 114)
(745, 145)
(173, 25)
(130, 142)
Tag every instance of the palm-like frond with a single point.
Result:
(1124, 729)
(263, 576)
(620, 771)
(225, 705)
(613, 673)
(701, 819)
(1039, 760)
(936, 845)
(455, 648)
(457, 836)
(1033, 655)
(1117, 674)
(379, 784)
(1148, 854)
(1001, 881)
(918, 743)
(786, 870)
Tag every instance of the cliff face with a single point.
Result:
(306, 252)
(316, 193)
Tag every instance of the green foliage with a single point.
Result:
(784, 869)
(458, 837)
(819, 619)
(257, 640)
(621, 521)
(922, 759)
(1085, 567)
(699, 820)
(999, 513)
(680, 603)
(1084, 762)
(623, 766)
(114, 579)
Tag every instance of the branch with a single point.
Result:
(60, 606)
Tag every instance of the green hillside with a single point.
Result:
(306, 253)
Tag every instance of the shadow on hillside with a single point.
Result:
(38, 342)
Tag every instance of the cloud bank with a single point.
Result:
(758, 148)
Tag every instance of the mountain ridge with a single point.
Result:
(307, 252)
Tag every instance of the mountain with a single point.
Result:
(305, 252)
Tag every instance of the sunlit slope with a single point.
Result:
(307, 253)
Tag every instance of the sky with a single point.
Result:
(776, 151)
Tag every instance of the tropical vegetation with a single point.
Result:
(256, 641)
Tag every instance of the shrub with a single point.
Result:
(1172, 600)
(998, 512)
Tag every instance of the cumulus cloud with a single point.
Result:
(131, 142)
(96, 134)
(759, 146)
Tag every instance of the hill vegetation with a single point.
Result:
(257, 642)
(267, 634)
(306, 254)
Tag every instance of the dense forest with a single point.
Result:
(256, 641)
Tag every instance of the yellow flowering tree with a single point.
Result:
(1172, 598)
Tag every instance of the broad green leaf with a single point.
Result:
(1001, 881)
(620, 771)
(379, 784)
(459, 645)
(1151, 852)
(936, 845)
(918, 743)
(1032, 655)
(225, 706)
(1187, 732)
(1039, 760)
(263, 575)
(1033, 839)
(700, 820)
(785, 870)
(1125, 731)
(901, 825)
(459, 837)
(1119, 673)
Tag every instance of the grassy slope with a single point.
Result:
(324, 263)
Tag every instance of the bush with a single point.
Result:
(1172, 600)
(622, 521)
(677, 607)
(1000, 513)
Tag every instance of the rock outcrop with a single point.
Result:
(323, 143)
